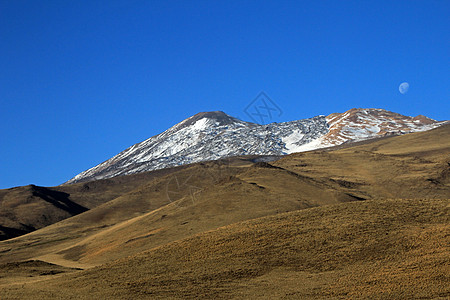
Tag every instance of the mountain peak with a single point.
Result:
(423, 119)
(218, 117)
(211, 114)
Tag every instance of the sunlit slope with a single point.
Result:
(433, 143)
(396, 249)
(409, 166)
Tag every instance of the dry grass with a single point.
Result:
(373, 249)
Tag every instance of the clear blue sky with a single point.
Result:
(81, 81)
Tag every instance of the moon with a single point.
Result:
(403, 87)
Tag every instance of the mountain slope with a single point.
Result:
(214, 135)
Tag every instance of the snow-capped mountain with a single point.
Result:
(215, 135)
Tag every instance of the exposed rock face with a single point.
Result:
(360, 124)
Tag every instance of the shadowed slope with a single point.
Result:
(29, 208)
(29, 271)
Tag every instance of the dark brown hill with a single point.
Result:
(25, 209)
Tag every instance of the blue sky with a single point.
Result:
(81, 81)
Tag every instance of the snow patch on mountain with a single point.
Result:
(214, 135)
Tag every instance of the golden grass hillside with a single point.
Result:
(396, 249)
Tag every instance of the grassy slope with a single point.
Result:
(376, 248)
